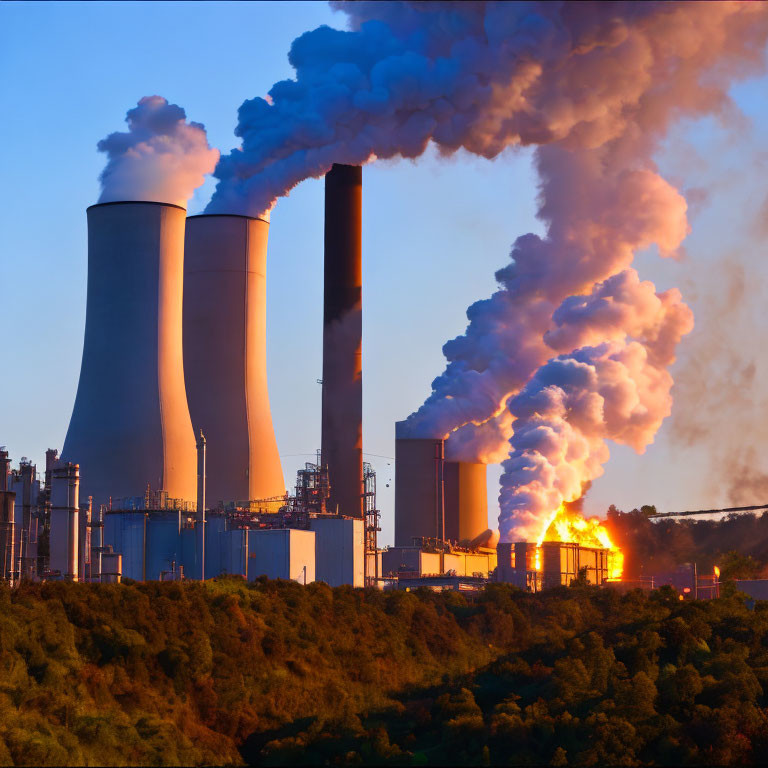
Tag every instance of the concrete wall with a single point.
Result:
(339, 549)
(225, 355)
(396, 559)
(282, 554)
(130, 425)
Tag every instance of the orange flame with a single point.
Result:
(717, 572)
(569, 526)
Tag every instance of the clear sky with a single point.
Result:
(434, 233)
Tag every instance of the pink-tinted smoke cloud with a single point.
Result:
(162, 157)
(573, 349)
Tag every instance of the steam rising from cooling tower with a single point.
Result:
(573, 349)
(162, 157)
(130, 426)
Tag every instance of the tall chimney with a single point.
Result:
(225, 355)
(342, 423)
(130, 425)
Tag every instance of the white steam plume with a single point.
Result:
(161, 158)
(573, 348)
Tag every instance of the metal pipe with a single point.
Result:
(201, 450)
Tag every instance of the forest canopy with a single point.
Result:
(275, 673)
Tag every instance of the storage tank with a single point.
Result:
(7, 556)
(7, 518)
(342, 420)
(466, 500)
(130, 426)
(65, 520)
(225, 351)
(419, 488)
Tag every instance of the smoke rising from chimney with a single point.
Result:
(161, 158)
(573, 348)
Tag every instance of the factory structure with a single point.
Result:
(170, 468)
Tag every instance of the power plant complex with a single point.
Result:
(170, 468)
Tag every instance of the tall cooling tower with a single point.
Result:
(225, 351)
(130, 425)
(342, 421)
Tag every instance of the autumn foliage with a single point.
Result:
(276, 673)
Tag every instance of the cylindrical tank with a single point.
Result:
(225, 350)
(419, 493)
(84, 546)
(7, 550)
(130, 426)
(65, 520)
(466, 500)
(342, 420)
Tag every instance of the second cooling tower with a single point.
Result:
(225, 355)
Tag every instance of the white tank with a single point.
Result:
(65, 520)
(130, 426)
(225, 348)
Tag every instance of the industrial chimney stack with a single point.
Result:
(342, 420)
(130, 425)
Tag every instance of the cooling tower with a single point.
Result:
(342, 423)
(225, 351)
(130, 425)
(419, 489)
(466, 500)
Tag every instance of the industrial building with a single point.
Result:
(170, 468)
(534, 567)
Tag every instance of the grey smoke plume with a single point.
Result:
(573, 348)
(161, 158)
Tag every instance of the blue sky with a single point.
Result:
(434, 233)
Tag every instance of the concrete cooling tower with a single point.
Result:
(130, 425)
(342, 421)
(225, 352)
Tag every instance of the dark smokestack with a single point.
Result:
(342, 439)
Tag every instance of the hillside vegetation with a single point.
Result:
(276, 673)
